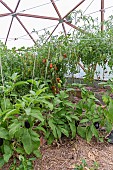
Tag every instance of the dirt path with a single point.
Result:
(72, 152)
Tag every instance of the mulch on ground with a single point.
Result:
(71, 153)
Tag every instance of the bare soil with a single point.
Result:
(66, 156)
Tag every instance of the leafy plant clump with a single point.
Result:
(39, 113)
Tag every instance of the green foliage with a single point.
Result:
(89, 113)
(84, 166)
(34, 100)
(62, 119)
(25, 163)
(15, 134)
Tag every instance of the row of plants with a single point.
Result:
(26, 119)
(63, 55)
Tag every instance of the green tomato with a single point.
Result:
(60, 81)
(59, 85)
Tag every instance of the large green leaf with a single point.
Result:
(6, 104)
(1, 162)
(88, 134)
(46, 96)
(37, 153)
(26, 140)
(48, 104)
(40, 128)
(68, 117)
(94, 131)
(110, 111)
(69, 104)
(58, 132)
(84, 121)
(20, 83)
(38, 92)
(28, 111)
(53, 127)
(7, 153)
(57, 101)
(10, 113)
(50, 139)
(81, 131)
(63, 95)
(37, 114)
(14, 127)
(34, 82)
(105, 99)
(20, 150)
(42, 100)
(19, 133)
(65, 132)
(73, 128)
(34, 136)
(74, 117)
(3, 133)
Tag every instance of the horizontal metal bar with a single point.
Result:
(4, 15)
(37, 16)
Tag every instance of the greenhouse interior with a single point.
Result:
(56, 85)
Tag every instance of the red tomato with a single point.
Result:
(65, 55)
(58, 79)
(51, 65)
(44, 60)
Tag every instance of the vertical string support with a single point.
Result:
(47, 63)
(1, 71)
(34, 66)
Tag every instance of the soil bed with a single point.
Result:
(66, 156)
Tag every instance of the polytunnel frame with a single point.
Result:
(60, 19)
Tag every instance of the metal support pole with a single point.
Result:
(11, 22)
(102, 15)
(57, 11)
(37, 16)
(52, 32)
(73, 9)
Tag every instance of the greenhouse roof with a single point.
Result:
(22, 22)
